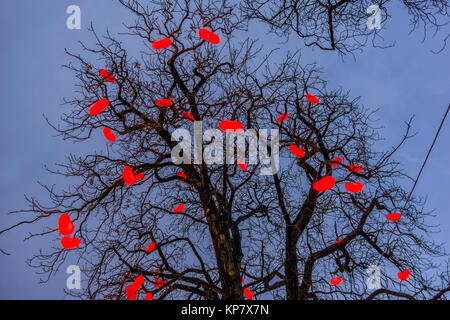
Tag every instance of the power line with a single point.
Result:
(416, 180)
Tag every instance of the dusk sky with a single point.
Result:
(402, 81)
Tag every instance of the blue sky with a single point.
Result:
(401, 81)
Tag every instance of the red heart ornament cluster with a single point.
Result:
(66, 228)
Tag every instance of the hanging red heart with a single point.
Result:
(182, 175)
(311, 98)
(324, 184)
(109, 135)
(130, 292)
(336, 281)
(336, 160)
(98, 107)
(161, 44)
(150, 247)
(106, 75)
(139, 177)
(355, 168)
(70, 243)
(163, 102)
(393, 216)
(354, 186)
(403, 275)
(188, 116)
(242, 280)
(159, 283)
(209, 36)
(282, 117)
(149, 296)
(230, 126)
(128, 175)
(179, 208)
(248, 293)
(65, 225)
(242, 164)
(138, 282)
(298, 152)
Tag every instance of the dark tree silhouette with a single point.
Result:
(341, 24)
(275, 231)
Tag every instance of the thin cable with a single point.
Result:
(416, 180)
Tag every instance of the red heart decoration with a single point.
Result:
(403, 275)
(282, 117)
(159, 283)
(65, 225)
(336, 281)
(70, 243)
(248, 293)
(149, 296)
(354, 186)
(163, 102)
(209, 36)
(161, 44)
(242, 164)
(311, 98)
(128, 175)
(106, 75)
(138, 282)
(242, 280)
(179, 208)
(355, 168)
(139, 177)
(150, 247)
(98, 107)
(340, 240)
(188, 116)
(393, 216)
(324, 184)
(182, 175)
(296, 151)
(336, 160)
(231, 126)
(109, 135)
(130, 292)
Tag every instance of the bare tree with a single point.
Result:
(276, 232)
(341, 25)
